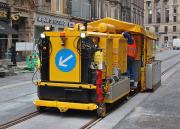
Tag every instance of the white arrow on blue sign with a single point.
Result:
(65, 60)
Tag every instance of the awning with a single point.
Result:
(6, 29)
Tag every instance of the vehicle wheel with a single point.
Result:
(101, 111)
(40, 109)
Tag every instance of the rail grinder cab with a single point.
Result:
(147, 70)
(85, 70)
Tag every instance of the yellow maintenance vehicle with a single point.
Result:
(85, 67)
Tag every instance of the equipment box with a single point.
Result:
(119, 89)
(153, 75)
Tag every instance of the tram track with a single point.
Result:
(19, 120)
(95, 121)
(169, 68)
(92, 122)
(170, 57)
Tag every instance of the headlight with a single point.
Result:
(47, 28)
(43, 36)
(83, 35)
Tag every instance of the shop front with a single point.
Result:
(58, 23)
(5, 29)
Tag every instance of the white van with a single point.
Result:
(176, 44)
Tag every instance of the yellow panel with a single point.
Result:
(107, 46)
(67, 85)
(64, 106)
(45, 103)
(80, 106)
(150, 49)
(120, 54)
(57, 74)
(143, 87)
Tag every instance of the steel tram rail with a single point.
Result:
(19, 120)
(89, 124)
(95, 121)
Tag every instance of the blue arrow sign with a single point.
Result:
(65, 60)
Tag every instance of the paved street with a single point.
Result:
(20, 93)
(16, 96)
(166, 54)
(22, 77)
(160, 110)
(92, 55)
(125, 111)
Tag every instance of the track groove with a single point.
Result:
(19, 120)
(89, 124)
(95, 121)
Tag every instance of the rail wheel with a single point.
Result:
(101, 111)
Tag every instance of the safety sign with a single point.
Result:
(65, 60)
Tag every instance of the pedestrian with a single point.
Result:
(13, 54)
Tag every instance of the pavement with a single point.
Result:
(159, 111)
(16, 96)
(166, 54)
(19, 78)
(17, 93)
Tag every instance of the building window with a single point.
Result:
(174, 18)
(165, 39)
(175, 10)
(174, 37)
(174, 28)
(149, 3)
(147, 28)
(166, 29)
(174, 1)
(158, 16)
(156, 29)
(149, 16)
(166, 15)
(157, 3)
(166, 2)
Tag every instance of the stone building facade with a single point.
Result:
(28, 17)
(162, 17)
(137, 11)
(125, 10)
(5, 29)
